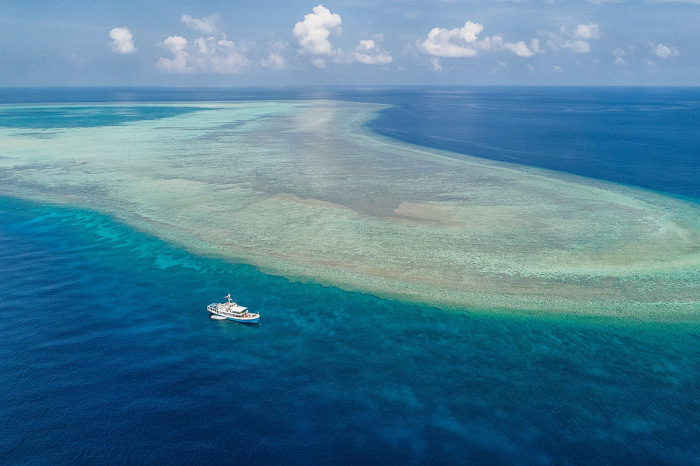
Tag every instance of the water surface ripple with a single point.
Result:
(107, 356)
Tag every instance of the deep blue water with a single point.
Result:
(647, 137)
(107, 354)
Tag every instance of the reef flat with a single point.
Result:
(303, 190)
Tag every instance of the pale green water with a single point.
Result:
(301, 190)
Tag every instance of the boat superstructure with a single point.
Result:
(232, 311)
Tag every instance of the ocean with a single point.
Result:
(645, 137)
(107, 354)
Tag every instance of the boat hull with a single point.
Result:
(243, 321)
(223, 311)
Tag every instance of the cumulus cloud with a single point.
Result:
(122, 40)
(275, 60)
(587, 31)
(458, 42)
(223, 57)
(370, 53)
(209, 55)
(206, 25)
(663, 51)
(578, 46)
(314, 30)
(178, 64)
(576, 41)
(175, 44)
(436, 64)
(464, 42)
(519, 48)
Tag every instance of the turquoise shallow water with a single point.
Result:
(84, 116)
(641, 136)
(108, 355)
(303, 189)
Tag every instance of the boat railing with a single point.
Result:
(227, 310)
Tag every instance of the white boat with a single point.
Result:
(232, 311)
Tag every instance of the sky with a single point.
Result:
(349, 42)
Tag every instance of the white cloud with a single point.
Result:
(587, 31)
(367, 44)
(122, 40)
(201, 45)
(178, 64)
(209, 55)
(519, 48)
(175, 44)
(578, 46)
(370, 53)
(314, 31)
(557, 68)
(436, 64)
(663, 51)
(619, 55)
(223, 58)
(318, 62)
(275, 60)
(206, 25)
(441, 42)
(464, 42)
(573, 41)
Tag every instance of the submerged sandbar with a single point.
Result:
(302, 189)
